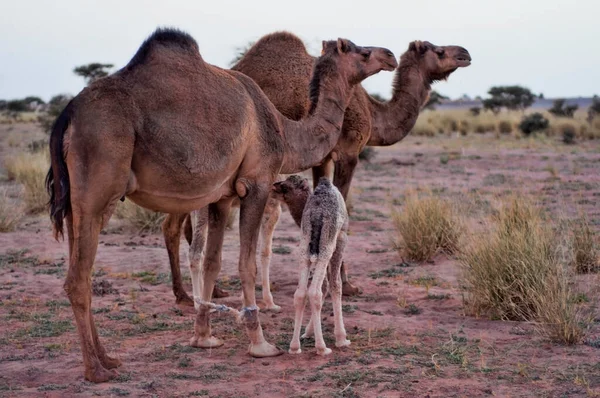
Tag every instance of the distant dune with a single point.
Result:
(545, 103)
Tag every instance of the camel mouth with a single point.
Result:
(463, 60)
(390, 66)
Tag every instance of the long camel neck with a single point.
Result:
(310, 140)
(393, 120)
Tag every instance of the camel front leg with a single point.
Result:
(171, 228)
(299, 304)
(217, 220)
(315, 295)
(269, 221)
(342, 179)
(335, 282)
(325, 169)
(251, 210)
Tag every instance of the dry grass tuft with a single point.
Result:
(585, 247)
(29, 169)
(426, 226)
(517, 270)
(142, 219)
(10, 213)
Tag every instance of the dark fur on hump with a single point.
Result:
(324, 65)
(166, 37)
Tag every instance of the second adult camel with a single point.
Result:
(283, 71)
(173, 134)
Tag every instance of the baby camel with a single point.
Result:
(323, 219)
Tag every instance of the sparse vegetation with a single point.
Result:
(585, 247)
(29, 169)
(425, 226)
(142, 219)
(516, 271)
(10, 213)
(533, 123)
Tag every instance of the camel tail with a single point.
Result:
(57, 179)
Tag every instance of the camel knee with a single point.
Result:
(316, 298)
(78, 292)
(299, 297)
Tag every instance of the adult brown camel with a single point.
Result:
(174, 133)
(283, 74)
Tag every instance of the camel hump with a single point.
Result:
(290, 40)
(170, 38)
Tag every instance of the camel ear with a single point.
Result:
(323, 46)
(418, 46)
(343, 45)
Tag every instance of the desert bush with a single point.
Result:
(561, 109)
(367, 154)
(29, 169)
(55, 108)
(426, 226)
(10, 213)
(516, 271)
(585, 247)
(505, 127)
(569, 133)
(475, 111)
(142, 219)
(532, 123)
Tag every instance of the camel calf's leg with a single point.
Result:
(299, 304)
(335, 282)
(217, 219)
(171, 228)
(269, 221)
(315, 295)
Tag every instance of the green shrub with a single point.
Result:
(533, 123)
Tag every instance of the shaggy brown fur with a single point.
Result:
(174, 133)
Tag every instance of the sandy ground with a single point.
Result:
(410, 336)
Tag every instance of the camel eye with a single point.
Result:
(389, 53)
(441, 53)
(366, 55)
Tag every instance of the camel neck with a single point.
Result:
(296, 205)
(310, 140)
(393, 120)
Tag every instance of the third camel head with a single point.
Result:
(437, 62)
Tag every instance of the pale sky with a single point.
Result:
(549, 46)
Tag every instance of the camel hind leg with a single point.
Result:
(171, 228)
(335, 282)
(269, 221)
(315, 295)
(299, 304)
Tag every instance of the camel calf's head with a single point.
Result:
(438, 62)
(356, 62)
(289, 187)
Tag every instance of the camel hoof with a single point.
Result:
(264, 350)
(184, 300)
(219, 293)
(208, 342)
(272, 307)
(295, 351)
(100, 374)
(342, 343)
(348, 289)
(110, 362)
(323, 351)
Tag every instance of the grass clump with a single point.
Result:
(426, 226)
(10, 213)
(516, 271)
(585, 247)
(142, 219)
(29, 169)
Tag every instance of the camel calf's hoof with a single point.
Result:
(206, 342)
(295, 351)
(348, 289)
(264, 350)
(342, 343)
(100, 374)
(323, 351)
(271, 307)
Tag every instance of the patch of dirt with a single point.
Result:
(409, 333)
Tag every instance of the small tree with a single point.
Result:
(434, 99)
(92, 72)
(33, 102)
(560, 109)
(510, 97)
(532, 123)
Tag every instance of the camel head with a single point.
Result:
(356, 62)
(289, 188)
(438, 62)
